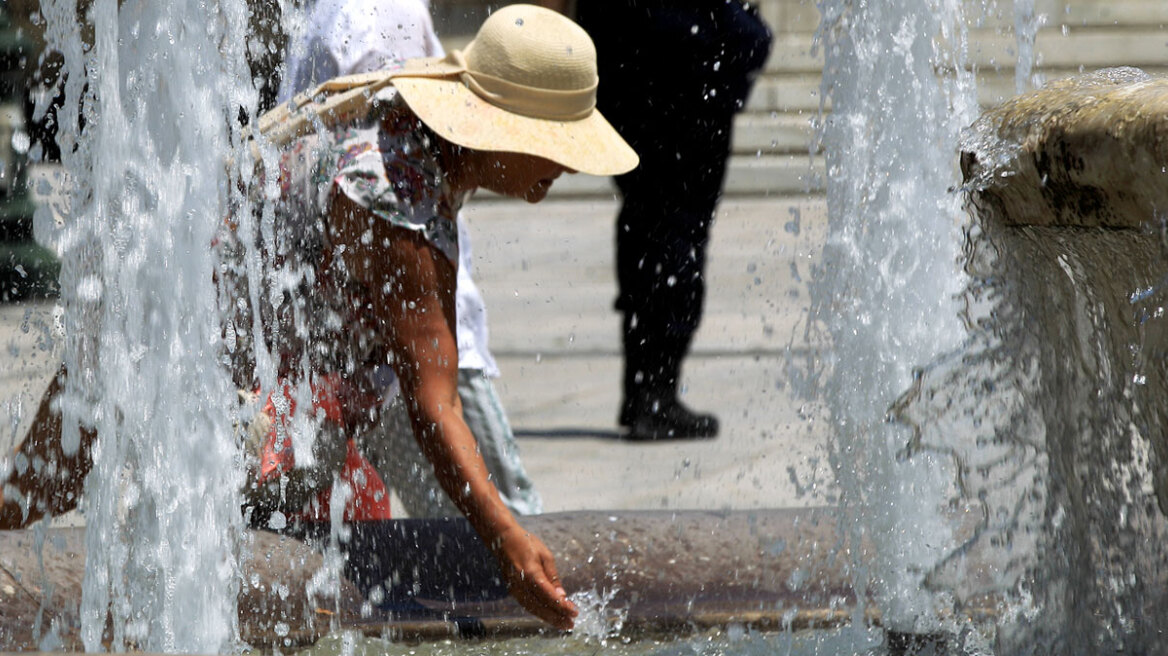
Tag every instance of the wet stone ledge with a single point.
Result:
(673, 572)
(1086, 151)
(669, 573)
(1066, 367)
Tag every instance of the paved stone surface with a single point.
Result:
(546, 271)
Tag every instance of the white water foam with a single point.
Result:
(149, 121)
(884, 297)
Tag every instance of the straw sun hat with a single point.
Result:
(526, 84)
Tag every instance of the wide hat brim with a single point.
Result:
(449, 108)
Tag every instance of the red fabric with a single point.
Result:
(370, 499)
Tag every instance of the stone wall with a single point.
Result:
(1068, 261)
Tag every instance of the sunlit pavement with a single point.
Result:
(546, 272)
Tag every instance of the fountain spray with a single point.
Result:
(885, 294)
(153, 96)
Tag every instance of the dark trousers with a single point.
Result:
(662, 233)
(672, 76)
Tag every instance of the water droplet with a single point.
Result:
(90, 288)
(21, 142)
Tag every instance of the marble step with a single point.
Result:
(798, 95)
(803, 15)
(459, 16)
(748, 175)
(1072, 47)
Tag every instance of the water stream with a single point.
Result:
(1053, 410)
(923, 372)
(159, 87)
(885, 294)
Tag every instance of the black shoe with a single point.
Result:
(666, 420)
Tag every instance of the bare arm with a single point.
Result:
(416, 310)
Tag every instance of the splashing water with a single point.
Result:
(597, 622)
(1026, 25)
(159, 87)
(883, 298)
(1056, 415)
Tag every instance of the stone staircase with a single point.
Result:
(772, 141)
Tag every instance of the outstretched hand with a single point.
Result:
(530, 573)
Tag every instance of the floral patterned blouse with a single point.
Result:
(386, 164)
(311, 313)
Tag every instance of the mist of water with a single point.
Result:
(1030, 402)
(159, 88)
(150, 120)
(1026, 25)
(1052, 409)
(884, 297)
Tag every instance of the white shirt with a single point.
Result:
(343, 37)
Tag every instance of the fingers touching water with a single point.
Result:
(530, 572)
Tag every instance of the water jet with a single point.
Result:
(1064, 179)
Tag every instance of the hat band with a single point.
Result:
(533, 102)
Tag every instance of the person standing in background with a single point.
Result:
(675, 73)
(344, 37)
